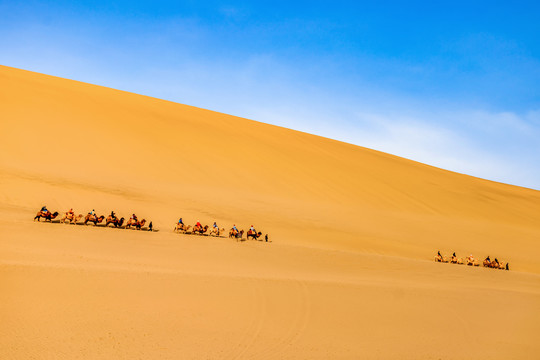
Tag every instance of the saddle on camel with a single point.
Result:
(114, 221)
(440, 258)
(71, 217)
(233, 233)
(181, 228)
(253, 234)
(216, 231)
(471, 261)
(93, 219)
(135, 223)
(199, 229)
(455, 260)
(46, 214)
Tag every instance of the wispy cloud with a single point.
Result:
(500, 147)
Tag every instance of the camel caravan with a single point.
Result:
(197, 229)
(471, 261)
(112, 220)
(216, 231)
(91, 218)
(495, 264)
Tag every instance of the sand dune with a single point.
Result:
(348, 274)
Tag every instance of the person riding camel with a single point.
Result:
(235, 229)
(133, 219)
(252, 229)
(44, 210)
(198, 225)
(439, 256)
(113, 215)
(180, 225)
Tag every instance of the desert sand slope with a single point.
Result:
(70, 144)
(348, 274)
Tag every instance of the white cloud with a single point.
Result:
(501, 146)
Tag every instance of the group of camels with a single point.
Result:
(70, 218)
(471, 261)
(255, 235)
(199, 229)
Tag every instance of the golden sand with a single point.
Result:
(348, 274)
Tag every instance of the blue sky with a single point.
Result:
(454, 85)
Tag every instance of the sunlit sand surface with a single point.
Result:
(348, 272)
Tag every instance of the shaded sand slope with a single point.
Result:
(70, 144)
(348, 274)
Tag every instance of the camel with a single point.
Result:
(140, 224)
(471, 261)
(216, 231)
(498, 265)
(440, 258)
(67, 216)
(455, 260)
(198, 230)
(181, 227)
(495, 264)
(77, 218)
(46, 215)
(137, 224)
(93, 218)
(71, 217)
(236, 234)
(114, 220)
(254, 234)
